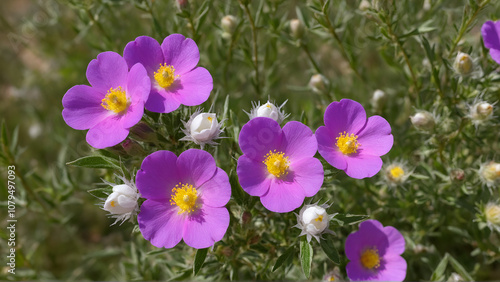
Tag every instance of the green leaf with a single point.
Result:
(306, 255)
(4, 138)
(460, 269)
(288, 253)
(199, 259)
(95, 162)
(438, 273)
(347, 219)
(329, 248)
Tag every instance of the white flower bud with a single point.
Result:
(122, 201)
(365, 5)
(268, 110)
(378, 99)
(427, 5)
(490, 173)
(297, 28)
(492, 215)
(318, 83)
(463, 64)
(314, 220)
(423, 120)
(228, 25)
(202, 128)
(455, 277)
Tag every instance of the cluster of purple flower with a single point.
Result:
(186, 194)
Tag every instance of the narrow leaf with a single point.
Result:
(199, 259)
(95, 162)
(329, 248)
(306, 255)
(438, 273)
(288, 253)
(460, 269)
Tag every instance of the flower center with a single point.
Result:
(184, 197)
(277, 164)
(210, 119)
(165, 75)
(113, 204)
(396, 172)
(319, 218)
(347, 143)
(370, 258)
(115, 100)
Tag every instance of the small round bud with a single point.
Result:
(318, 83)
(313, 221)
(378, 100)
(132, 148)
(143, 132)
(122, 202)
(333, 275)
(457, 175)
(246, 217)
(365, 5)
(427, 5)
(183, 4)
(268, 110)
(490, 173)
(297, 28)
(228, 25)
(423, 120)
(463, 64)
(492, 215)
(202, 129)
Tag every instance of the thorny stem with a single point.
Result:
(331, 29)
(255, 50)
(465, 26)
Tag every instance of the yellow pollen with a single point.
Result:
(184, 196)
(165, 75)
(210, 119)
(115, 100)
(332, 278)
(112, 203)
(277, 164)
(397, 172)
(347, 144)
(269, 106)
(370, 258)
(319, 218)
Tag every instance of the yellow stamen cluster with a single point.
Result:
(277, 164)
(184, 196)
(115, 100)
(319, 218)
(370, 258)
(347, 143)
(165, 75)
(113, 204)
(396, 172)
(210, 119)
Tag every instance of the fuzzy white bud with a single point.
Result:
(204, 127)
(492, 214)
(123, 200)
(365, 5)
(378, 99)
(268, 110)
(228, 25)
(423, 120)
(490, 173)
(297, 28)
(318, 83)
(314, 221)
(463, 64)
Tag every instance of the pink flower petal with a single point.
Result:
(205, 227)
(346, 115)
(194, 87)
(180, 52)
(107, 133)
(283, 196)
(161, 101)
(309, 174)
(82, 107)
(376, 138)
(158, 176)
(195, 167)
(253, 176)
(259, 136)
(298, 141)
(397, 241)
(138, 84)
(109, 70)
(216, 191)
(146, 51)
(160, 224)
(328, 150)
(394, 269)
(362, 166)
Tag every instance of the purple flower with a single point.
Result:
(352, 143)
(491, 38)
(112, 105)
(175, 79)
(186, 198)
(278, 165)
(374, 253)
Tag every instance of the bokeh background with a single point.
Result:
(62, 234)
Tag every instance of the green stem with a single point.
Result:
(99, 25)
(255, 49)
(311, 59)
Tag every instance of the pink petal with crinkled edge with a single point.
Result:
(161, 224)
(205, 227)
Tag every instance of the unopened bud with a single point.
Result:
(463, 64)
(423, 120)
(492, 214)
(183, 4)
(378, 100)
(490, 173)
(297, 28)
(246, 217)
(457, 175)
(143, 132)
(228, 25)
(132, 148)
(318, 83)
(365, 5)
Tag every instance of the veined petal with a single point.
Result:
(109, 70)
(160, 224)
(180, 52)
(206, 227)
